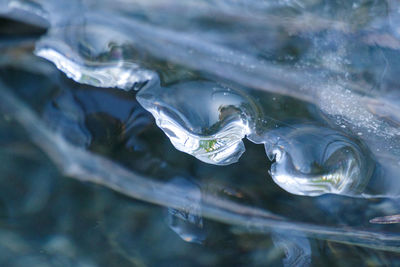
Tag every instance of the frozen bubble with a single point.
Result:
(187, 221)
(312, 161)
(203, 119)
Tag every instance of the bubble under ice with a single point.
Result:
(204, 119)
(312, 161)
(187, 221)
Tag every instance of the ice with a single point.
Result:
(345, 69)
(90, 53)
(296, 247)
(187, 221)
(86, 166)
(312, 160)
(123, 75)
(204, 119)
(201, 66)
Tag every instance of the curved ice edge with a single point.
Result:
(223, 146)
(123, 75)
(236, 148)
(323, 171)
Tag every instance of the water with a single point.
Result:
(111, 93)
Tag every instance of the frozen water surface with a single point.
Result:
(315, 82)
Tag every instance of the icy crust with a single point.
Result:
(203, 119)
(312, 160)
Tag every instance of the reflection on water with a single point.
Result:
(314, 82)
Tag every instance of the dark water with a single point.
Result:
(88, 179)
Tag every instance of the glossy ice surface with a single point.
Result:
(149, 105)
(204, 119)
(312, 160)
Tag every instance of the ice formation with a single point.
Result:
(312, 160)
(204, 119)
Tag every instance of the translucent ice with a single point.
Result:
(296, 247)
(124, 75)
(81, 44)
(204, 119)
(103, 67)
(87, 166)
(311, 160)
(187, 221)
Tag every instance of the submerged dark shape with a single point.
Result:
(83, 114)
(312, 160)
